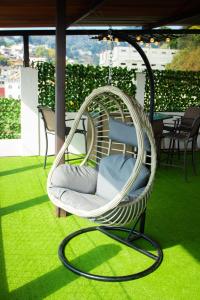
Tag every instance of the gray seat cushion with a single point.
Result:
(75, 186)
(75, 200)
(77, 178)
(114, 171)
(124, 133)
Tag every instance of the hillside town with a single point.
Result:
(122, 56)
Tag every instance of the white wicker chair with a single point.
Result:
(101, 105)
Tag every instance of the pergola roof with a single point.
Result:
(145, 13)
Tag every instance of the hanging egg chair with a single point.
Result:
(113, 183)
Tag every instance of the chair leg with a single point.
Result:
(85, 134)
(46, 151)
(185, 159)
(172, 151)
(158, 146)
(142, 222)
(194, 143)
(85, 137)
(67, 154)
(169, 150)
(178, 148)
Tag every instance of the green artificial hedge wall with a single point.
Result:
(80, 81)
(174, 90)
(9, 118)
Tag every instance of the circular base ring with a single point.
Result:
(158, 258)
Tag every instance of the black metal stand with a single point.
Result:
(132, 236)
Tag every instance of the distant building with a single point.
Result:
(13, 86)
(12, 89)
(130, 58)
(38, 59)
(10, 82)
(2, 88)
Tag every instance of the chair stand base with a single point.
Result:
(132, 236)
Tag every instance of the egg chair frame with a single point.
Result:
(99, 106)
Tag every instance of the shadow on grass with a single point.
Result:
(174, 210)
(23, 205)
(19, 170)
(3, 279)
(5, 211)
(50, 282)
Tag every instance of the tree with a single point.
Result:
(41, 51)
(186, 60)
(4, 61)
(49, 53)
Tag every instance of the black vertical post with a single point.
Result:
(132, 42)
(60, 79)
(26, 50)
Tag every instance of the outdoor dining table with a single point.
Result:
(158, 119)
(158, 126)
(161, 116)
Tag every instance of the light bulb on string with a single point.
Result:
(141, 42)
(151, 40)
(156, 43)
(116, 40)
(138, 38)
(167, 40)
(105, 39)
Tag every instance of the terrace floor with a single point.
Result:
(30, 235)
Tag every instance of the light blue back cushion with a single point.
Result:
(114, 171)
(123, 133)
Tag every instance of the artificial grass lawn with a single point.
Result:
(30, 235)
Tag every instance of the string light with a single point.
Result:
(116, 40)
(147, 45)
(167, 40)
(105, 39)
(141, 42)
(138, 38)
(151, 40)
(156, 43)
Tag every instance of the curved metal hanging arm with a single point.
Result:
(131, 41)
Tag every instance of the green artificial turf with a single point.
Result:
(30, 235)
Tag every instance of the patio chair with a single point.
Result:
(48, 116)
(114, 181)
(187, 133)
(180, 122)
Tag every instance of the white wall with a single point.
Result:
(28, 144)
(140, 87)
(29, 111)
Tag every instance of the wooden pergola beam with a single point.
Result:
(42, 32)
(95, 4)
(175, 18)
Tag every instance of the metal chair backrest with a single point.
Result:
(195, 127)
(191, 114)
(48, 116)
